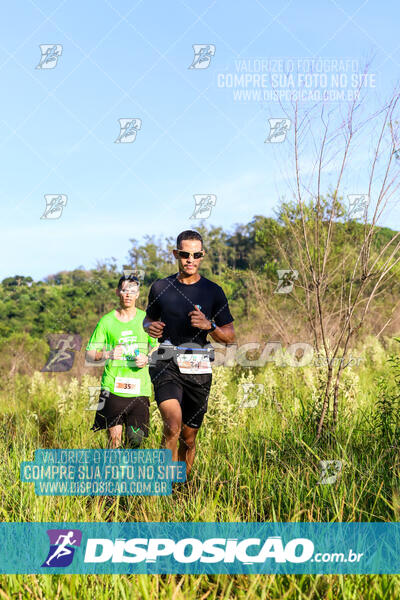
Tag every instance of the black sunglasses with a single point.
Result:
(184, 254)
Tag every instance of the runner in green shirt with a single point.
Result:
(120, 339)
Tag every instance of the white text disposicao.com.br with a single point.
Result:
(213, 550)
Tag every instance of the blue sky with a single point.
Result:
(130, 60)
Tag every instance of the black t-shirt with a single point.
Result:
(170, 301)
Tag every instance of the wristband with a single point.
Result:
(213, 326)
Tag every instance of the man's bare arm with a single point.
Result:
(224, 334)
(93, 355)
(96, 355)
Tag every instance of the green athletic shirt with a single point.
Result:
(122, 377)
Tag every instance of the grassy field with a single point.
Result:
(253, 464)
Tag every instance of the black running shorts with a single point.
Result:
(191, 391)
(118, 410)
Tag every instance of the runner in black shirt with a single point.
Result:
(182, 310)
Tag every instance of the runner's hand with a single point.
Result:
(117, 352)
(199, 319)
(141, 360)
(155, 329)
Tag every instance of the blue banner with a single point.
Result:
(325, 548)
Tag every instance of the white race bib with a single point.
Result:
(194, 364)
(127, 385)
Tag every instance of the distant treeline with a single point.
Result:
(73, 301)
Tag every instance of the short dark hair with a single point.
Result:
(129, 277)
(189, 234)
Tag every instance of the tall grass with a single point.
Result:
(252, 464)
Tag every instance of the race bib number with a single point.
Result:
(194, 364)
(127, 385)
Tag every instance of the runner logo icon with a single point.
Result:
(63, 543)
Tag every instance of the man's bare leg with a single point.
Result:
(172, 418)
(187, 446)
(115, 436)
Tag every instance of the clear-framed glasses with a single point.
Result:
(130, 290)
